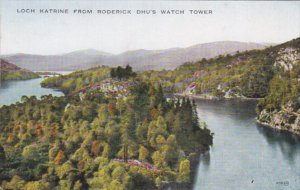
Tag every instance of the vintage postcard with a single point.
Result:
(149, 95)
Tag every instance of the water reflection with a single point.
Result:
(205, 161)
(244, 151)
(287, 143)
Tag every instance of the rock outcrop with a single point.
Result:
(285, 119)
(281, 120)
(287, 58)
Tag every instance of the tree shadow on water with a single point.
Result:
(286, 142)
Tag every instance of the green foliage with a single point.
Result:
(9, 71)
(2, 154)
(284, 89)
(121, 73)
(255, 82)
(184, 171)
(77, 80)
(245, 74)
(71, 143)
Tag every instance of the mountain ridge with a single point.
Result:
(140, 59)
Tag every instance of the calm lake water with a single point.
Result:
(12, 91)
(245, 155)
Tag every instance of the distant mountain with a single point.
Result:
(64, 62)
(138, 59)
(88, 52)
(172, 58)
(9, 71)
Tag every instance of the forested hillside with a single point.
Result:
(9, 71)
(77, 80)
(244, 74)
(271, 74)
(97, 140)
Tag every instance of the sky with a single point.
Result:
(35, 33)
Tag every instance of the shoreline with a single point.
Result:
(201, 97)
(276, 128)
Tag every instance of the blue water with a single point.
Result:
(245, 155)
(12, 91)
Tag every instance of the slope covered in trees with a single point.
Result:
(9, 71)
(77, 80)
(245, 74)
(79, 142)
(271, 74)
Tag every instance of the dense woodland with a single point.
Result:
(284, 90)
(73, 142)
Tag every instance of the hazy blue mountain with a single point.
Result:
(139, 59)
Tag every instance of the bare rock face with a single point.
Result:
(287, 58)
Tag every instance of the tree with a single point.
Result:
(158, 159)
(53, 152)
(113, 73)
(143, 153)
(96, 148)
(36, 185)
(60, 158)
(170, 151)
(184, 171)
(30, 151)
(2, 154)
(155, 129)
(15, 183)
(121, 73)
(141, 132)
(195, 119)
(256, 81)
(140, 101)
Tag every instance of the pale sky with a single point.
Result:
(270, 21)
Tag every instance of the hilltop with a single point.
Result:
(10, 71)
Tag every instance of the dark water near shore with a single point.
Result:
(245, 155)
